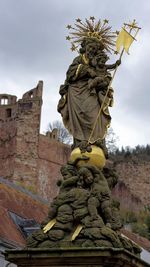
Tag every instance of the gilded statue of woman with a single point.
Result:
(85, 88)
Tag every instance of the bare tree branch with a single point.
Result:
(63, 134)
(111, 141)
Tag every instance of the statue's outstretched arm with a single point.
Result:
(113, 66)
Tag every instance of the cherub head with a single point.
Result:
(101, 59)
(68, 171)
(85, 176)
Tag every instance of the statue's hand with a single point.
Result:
(92, 73)
(96, 82)
(86, 70)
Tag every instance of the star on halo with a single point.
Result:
(78, 20)
(73, 48)
(68, 38)
(106, 21)
(69, 27)
(92, 18)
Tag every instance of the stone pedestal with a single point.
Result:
(85, 257)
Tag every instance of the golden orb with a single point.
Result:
(96, 157)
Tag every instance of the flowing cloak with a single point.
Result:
(81, 107)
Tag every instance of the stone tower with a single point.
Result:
(19, 136)
(8, 110)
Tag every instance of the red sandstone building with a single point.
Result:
(27, 157)
(29, 163)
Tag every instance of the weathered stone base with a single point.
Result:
(88, 257)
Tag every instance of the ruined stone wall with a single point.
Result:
(19, 136)
(8, 110)
(28, 158)
(128, 200)
(52, 155)
(27, 138)
(136, 178)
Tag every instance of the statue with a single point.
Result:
(84, 90)
(84, 214)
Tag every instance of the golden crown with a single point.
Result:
(91, 29)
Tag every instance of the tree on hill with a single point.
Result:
(111, 141)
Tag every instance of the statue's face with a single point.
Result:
(103, 60)
(88, 178)
(91, 50)
(65, 174)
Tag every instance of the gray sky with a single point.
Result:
(33, 48)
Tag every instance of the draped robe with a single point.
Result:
(81, 107)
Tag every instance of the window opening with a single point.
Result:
(4, 101)
(8, 112)
(31, 94)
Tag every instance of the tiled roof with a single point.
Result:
(19, 201)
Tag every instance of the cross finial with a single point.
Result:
(132, 25)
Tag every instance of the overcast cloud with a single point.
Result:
(33, 48)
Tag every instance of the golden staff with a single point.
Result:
(132, 26)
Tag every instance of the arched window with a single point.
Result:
(4, 101)
(31, 94)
